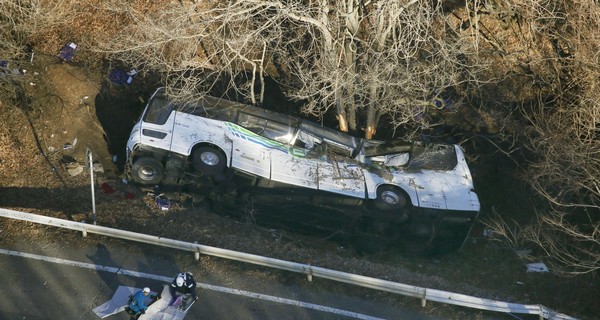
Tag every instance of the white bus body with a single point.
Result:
(213, 135)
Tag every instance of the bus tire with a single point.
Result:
(208, 160)
(147, 170)
(390, 198)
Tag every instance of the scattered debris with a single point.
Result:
(67, 52)
(110, 190)
(75, 170)
(106, 188)
(71, 165)
(119, 76)
(97, 167)
(537, 267)
(163, 203)
(6, 71)
(69, 145)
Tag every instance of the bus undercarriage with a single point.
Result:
(349, 220)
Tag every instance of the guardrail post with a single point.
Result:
(84, 232)
(89, 160)
(309, 274)
(424, 299)
(197, 255)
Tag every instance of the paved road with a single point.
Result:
(68, 276)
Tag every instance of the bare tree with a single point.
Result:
(567, 176)
(565, 134)
(355, 57)
(555, 81)
(376, 58)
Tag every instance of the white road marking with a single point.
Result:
(249, 294)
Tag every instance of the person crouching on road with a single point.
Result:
(138, 303)
(184, 283)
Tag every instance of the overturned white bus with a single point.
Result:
(281, 161)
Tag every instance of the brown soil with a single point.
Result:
(55, 119)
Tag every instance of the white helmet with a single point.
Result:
(179, 281)
(146, 290)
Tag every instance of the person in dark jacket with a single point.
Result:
(183, 283)
(138, 303)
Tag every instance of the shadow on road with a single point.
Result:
(103, 257)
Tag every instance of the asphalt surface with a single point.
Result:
(61, 275)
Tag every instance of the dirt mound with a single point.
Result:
(68, 114)
(52, 118)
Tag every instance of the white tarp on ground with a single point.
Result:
(159, 310)
(117, 303)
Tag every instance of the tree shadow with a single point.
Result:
(68, 200)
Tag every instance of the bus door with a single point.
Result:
(157, 124)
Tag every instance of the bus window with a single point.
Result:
(279, 132)
(267, 128)
(252, 123)
(158, 111)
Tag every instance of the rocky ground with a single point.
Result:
(64, 111)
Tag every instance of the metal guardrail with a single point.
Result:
(425, 294)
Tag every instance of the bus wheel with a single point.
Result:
(208, 160)
(147, 170)
(390, 198)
